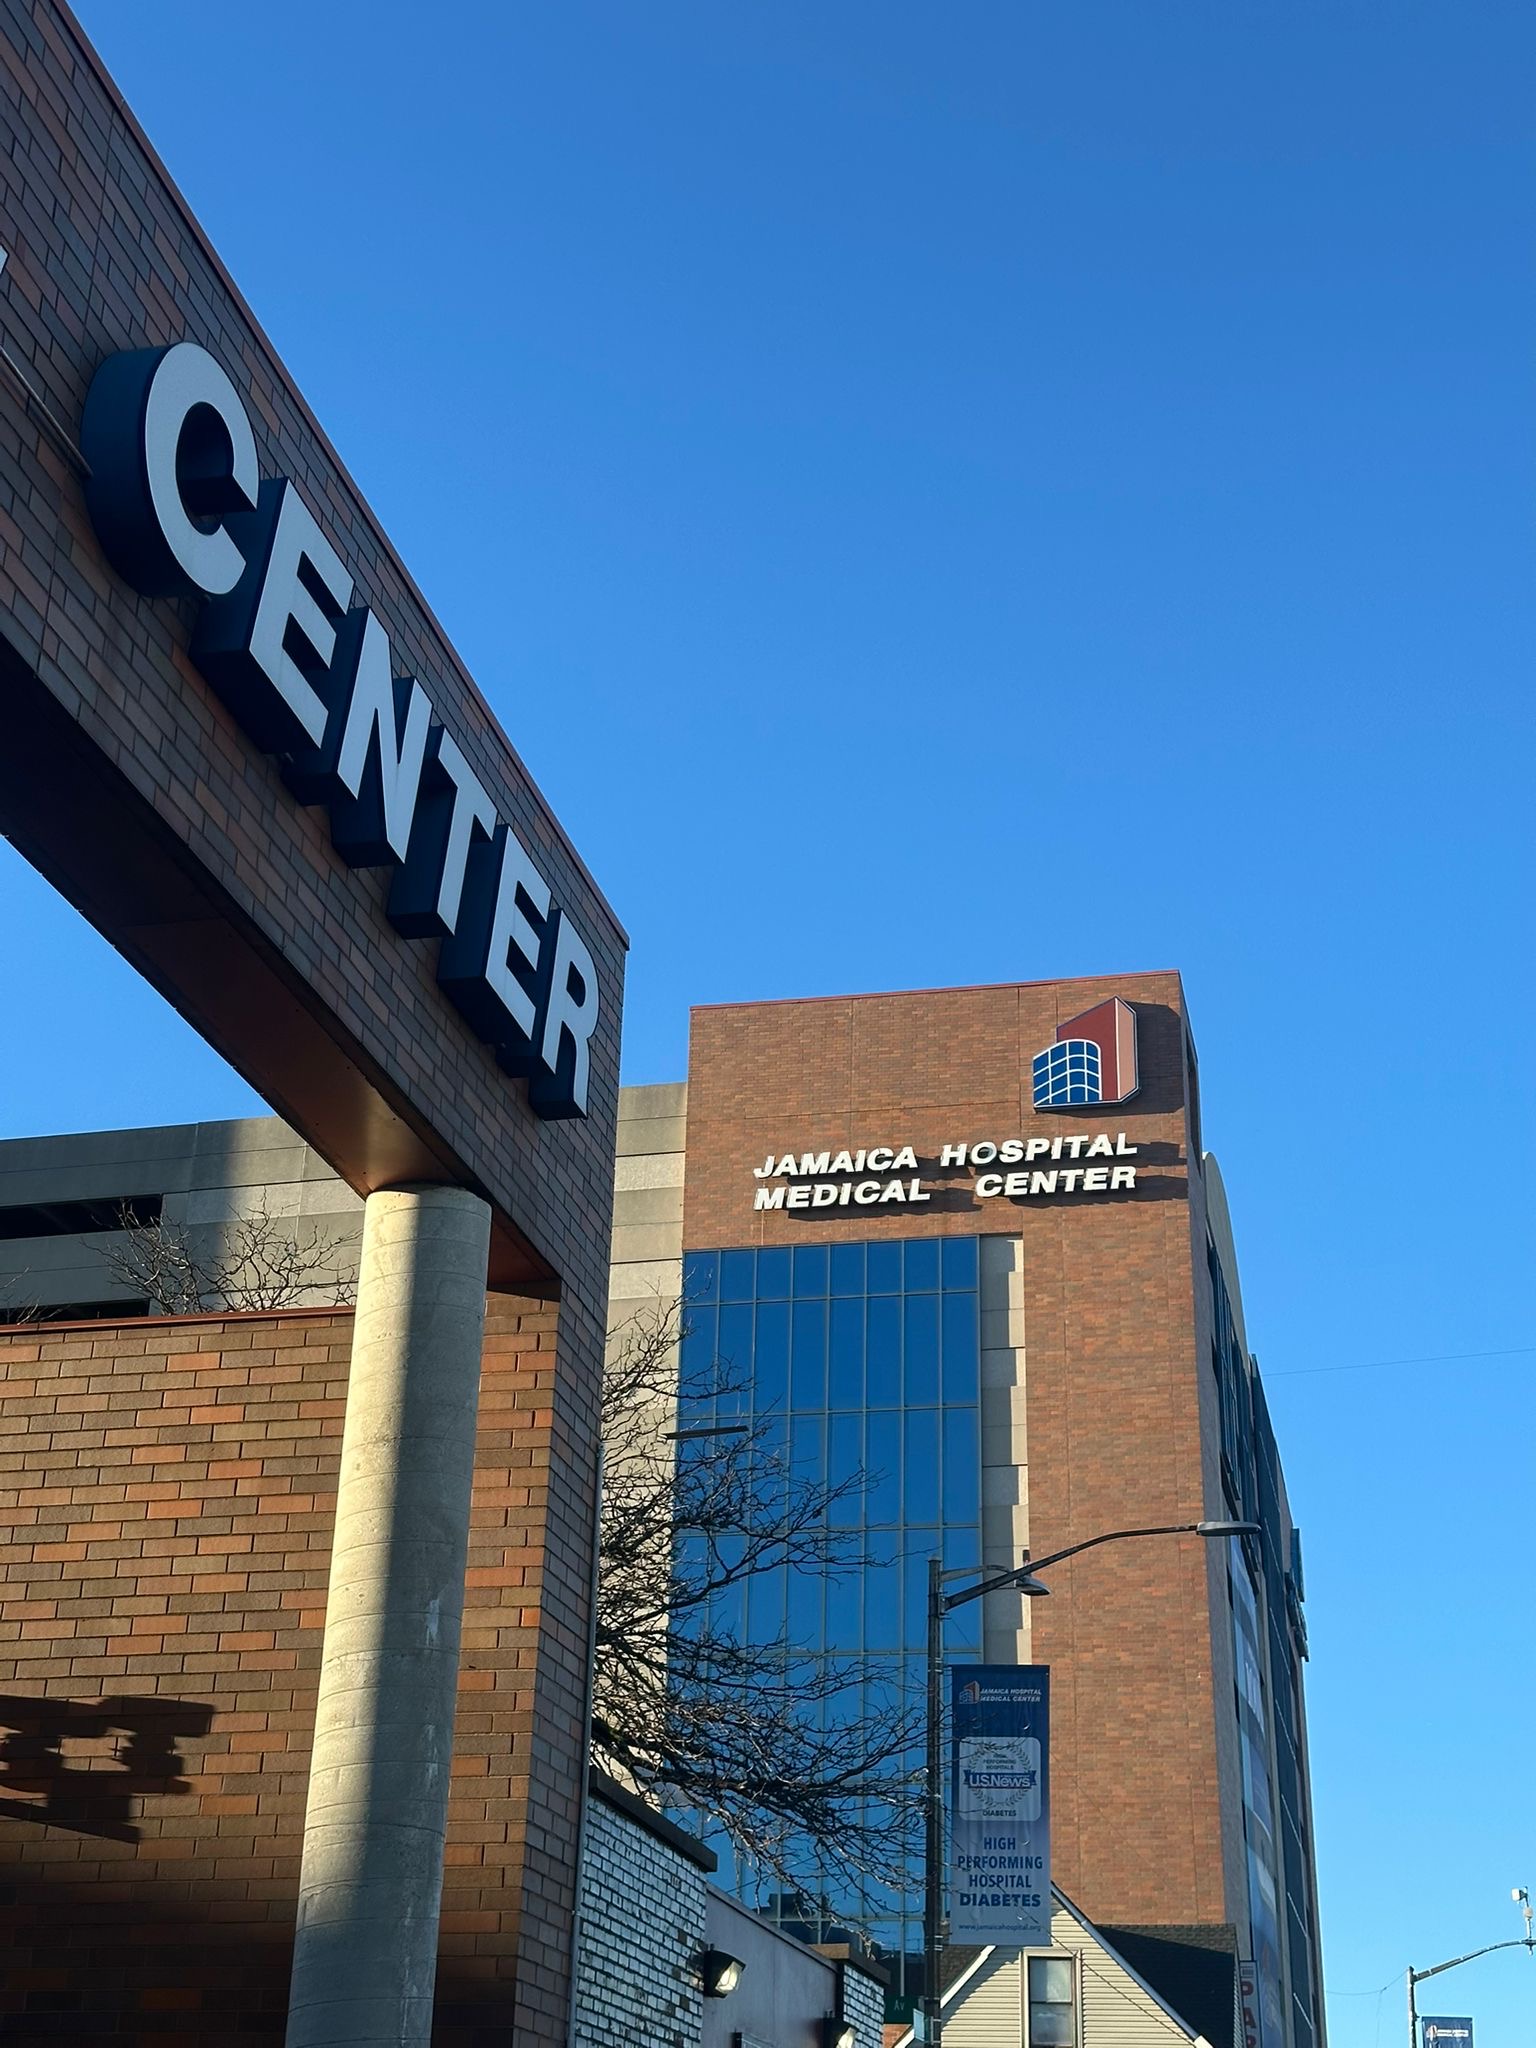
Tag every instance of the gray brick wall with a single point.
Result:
(641, 1932)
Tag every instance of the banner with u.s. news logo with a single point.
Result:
(1000, 1805)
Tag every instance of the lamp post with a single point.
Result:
(1522, 1899)
(1023, 1579)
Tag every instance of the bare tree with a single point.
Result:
(253, 1262)
(805, 1760)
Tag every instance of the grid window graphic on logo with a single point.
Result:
(1067, 1073)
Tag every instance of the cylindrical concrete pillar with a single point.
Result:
(365, 1949)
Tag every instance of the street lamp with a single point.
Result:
(1023, 1579)
(1522, 1899)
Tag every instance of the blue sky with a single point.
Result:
(948, 495)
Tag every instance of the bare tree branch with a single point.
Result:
(254, 1262)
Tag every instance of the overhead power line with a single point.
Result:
(1376, 1364)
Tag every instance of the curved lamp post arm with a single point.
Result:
(1417, 1977)
(1022, 1577)
(1523, 1941)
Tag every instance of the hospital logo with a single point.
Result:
(1093, 1059)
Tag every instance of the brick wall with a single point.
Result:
(1118, 1416)
(166, 1495)
(642, 1931)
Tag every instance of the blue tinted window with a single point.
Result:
(810, 1269)
(882, 1594)
(921, 1350)
(882, 1459)
(808, 1355)
(699, 1348)
(770, 1363)
(845, 1373)
(920, 1267)
(765, 1606)
(738, 1276)
(803, 1625)
(914, 1623)
(883, 1383)
(808, 1449)
(852, 1349)
(920, 1468)
(701, 1276)
(773, 1273)
(959, 1257)
(962, 1466)
(847, 1269)
(843, 1613)
(962, 1357)
(884, 1268)
(845, 1458)
(734, 1345)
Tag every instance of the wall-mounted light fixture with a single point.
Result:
(721, 1973)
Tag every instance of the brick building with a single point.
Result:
(970, 1239)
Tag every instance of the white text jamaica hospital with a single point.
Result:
(874, 1176)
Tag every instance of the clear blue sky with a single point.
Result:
(963, 494)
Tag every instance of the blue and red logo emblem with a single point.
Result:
(1093, 1059)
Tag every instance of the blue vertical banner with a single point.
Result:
(1000, 1805)
(1441, 2032)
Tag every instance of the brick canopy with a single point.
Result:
(127, 781)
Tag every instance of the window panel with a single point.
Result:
(959, 1258)
(734, 1348)
(803, 1623)
(882, 1461)
(962, 1355)
(920, 1265)
(883, 1372)
(773, 1273)
(845, 1458)
(920, 1350)
(810, 1269)
(962, 1466)
(765, 1605)
(770, 1360)
(844, 1624)
(701, 1276)
(847, 1269)
(845, 1369)
(882, 1594)
(914, 1619)
(883, 1272)
(696, 1373)
(808, 1355)
(920, 1467)
(738, 1276)
(1050, 2026)
(808, 1449)
(1050, 1980)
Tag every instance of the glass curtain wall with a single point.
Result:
(862, 1358)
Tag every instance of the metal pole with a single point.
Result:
(1413, 2017)
(933, 1871)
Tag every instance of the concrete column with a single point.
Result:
(365, 1951)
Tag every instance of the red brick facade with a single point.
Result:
(166, 1495)
(1121, 1418)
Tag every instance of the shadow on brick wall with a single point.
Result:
(133, 1964)
(81, 1764)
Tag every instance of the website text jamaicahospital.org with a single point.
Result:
(831, 1180)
